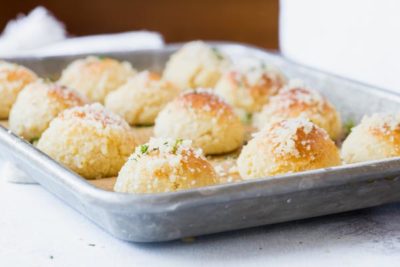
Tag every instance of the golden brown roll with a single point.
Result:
(37, 104)
(287, 146)
(204, 118)
(249, 88)
(140, 99)
(296, 100)
(89, 140)
(13, 78)
(95, 77)
(165, 165)
(376, 137)
(195, 65)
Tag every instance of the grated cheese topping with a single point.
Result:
(201, 90)
(199, 49)
(148, 79)
(256, 74)
(96, 115)
(66, 95)
(15, 74)
(206, 100)
(384, 122)
(285, 136)
(297, 93)
(177, 149)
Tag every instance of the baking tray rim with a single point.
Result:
(239, 45)
(82, 188)
(276, 185)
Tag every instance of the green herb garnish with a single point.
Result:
(47, 80)
(34, 140)
(248, 117)
(348, 125)
(144, 148)
(178, 142)
(217, 53)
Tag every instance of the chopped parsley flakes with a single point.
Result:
(144, 148)
(178, 142)
(217, 53)
(348, 125)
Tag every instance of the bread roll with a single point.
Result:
(376, 137)
(140, 99)
(13, 79)
(195, 65)
(297, 100)
(89, 140)
(165, 165)
(287, 146)
(249, 88)
(37, 104)
(205, 119)
(95, 77)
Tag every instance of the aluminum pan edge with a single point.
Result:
(282, 184)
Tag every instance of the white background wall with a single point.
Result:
(359, 39)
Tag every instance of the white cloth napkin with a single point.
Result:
(30, 32)
(126, 41)
(41, 34)
(358, 39)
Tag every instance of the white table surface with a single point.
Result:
(37, 229)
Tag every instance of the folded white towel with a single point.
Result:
(126, 41)
(30, 32)
(41, 34)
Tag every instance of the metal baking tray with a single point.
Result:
(168, 216)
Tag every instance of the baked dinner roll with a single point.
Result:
(141, 98)
(95, 77)
(296, 100)
(165, 165)
(89, 140)
(249, 88)
(376, 137)
(195, 65)
(13, 78)
(204, 118)
(37, 104)
(287, 146)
